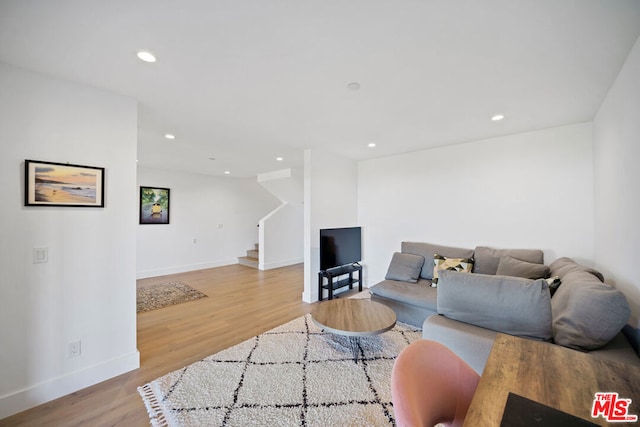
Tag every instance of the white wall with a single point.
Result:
(282, 230)
(617, 186)
(531, 190)
(331, 200)
(86, 291)
(287, 185)
(282, 237)
(221, 213)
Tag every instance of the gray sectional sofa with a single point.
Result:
(504, 290)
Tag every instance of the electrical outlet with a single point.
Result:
(75, 349)
(40, 255)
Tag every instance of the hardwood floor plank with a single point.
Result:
(242, 302)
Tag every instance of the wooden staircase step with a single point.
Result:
(252, 258)
(249, 262)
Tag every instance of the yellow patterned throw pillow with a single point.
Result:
(464, 265)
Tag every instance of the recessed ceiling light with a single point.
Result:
(279, 159)
(371, 144)
(170, 136)
(146, 56)
(227, 172)
(497, 117)
(353, 86)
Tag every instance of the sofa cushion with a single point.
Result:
(587, 313)
(512, 305)
(427, 250)
(464, 265)
(471, 343)
(405, 267)
(487, 259)
(564, 265)
(618, 350)
(420, 294)
(509, 266)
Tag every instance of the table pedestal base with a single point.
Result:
(354, 344)
(355, 348)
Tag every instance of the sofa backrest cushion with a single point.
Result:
(427, 250)
(512, 305)
(405, 267)
(562, 266)
(487, 259)
(509, 266)
(587, 313)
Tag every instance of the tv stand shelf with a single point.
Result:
(336, 279)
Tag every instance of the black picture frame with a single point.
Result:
(154, 205)
(63, 184)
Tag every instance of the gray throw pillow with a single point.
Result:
(487, 259)
(512, 305)
(510, 266)
(405, 267)
(587, 313)
(427, 250)
(564, 265)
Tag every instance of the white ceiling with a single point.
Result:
(245, 81)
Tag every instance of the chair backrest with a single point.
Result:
(430, 384)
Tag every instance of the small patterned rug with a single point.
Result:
(165, 294)
(293, 375)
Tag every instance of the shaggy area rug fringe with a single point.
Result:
(154, 407)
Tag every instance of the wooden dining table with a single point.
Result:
(553, 376)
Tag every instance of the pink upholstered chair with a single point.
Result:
(430, 384)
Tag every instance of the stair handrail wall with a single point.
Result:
(281, 232)
(280, 237)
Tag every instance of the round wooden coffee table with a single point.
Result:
(353, 318)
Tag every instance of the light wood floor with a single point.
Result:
(242, 302)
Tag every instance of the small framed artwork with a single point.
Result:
(154, 205)
(63, 184)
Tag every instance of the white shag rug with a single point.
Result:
(293, 375)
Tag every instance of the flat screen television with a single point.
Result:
(340, 246)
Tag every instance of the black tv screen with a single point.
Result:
(340, 246)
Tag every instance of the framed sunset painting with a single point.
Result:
(63, 184)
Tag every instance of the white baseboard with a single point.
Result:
(184, 268)
(282, 263)
(61, 386)
(307, 298)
